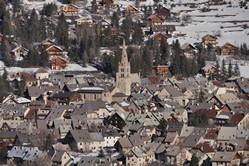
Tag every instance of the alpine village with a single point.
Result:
(124, 82)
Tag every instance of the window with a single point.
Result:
(122, 70)
(122, 75)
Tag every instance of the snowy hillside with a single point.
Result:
(229, 21)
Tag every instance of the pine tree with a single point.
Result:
(115, 20)
(7, 57)
(48, 142)
(176, 58)
(21, 86)
(49, 9)
(236, 70)
(84, 58)
(33, 24)
(230, 70)
(66, 1)
(2, 9)
(16, 6)
(43, 60)
(6, 26)
(118, 11)
(42, 30)
(137, 36)
(3, 153)
(217, 71)
(101, 153)
(135, 60)
(33, 57)
(162, 125)
(5, 87)
(94, 6)
(126, 28)
(61, 32)
(244, 49)
(146, 66)
(107, 63)
(223, 71)
(164, 50)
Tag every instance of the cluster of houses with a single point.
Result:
(71, 115)
(90, 119)
(159, 25)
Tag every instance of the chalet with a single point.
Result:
(19, 53)
(208, 70)
(163, 70)
(228, 49)
(188, 50)
(163, 12)
(104, 23)
(209, 40)
(132, 11)
(69, 10)
(170, 29)
(84, 21)
(59, 63)
(47, 42)
(160, 37)
(156, 19)
(54, 50)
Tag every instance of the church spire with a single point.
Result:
(124, 58)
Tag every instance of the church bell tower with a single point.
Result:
(123, 76)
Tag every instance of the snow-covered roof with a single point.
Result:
(124, 104)
(77, 67)
(12, 70)
(21, 100)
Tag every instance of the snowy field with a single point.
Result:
(229, 21)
